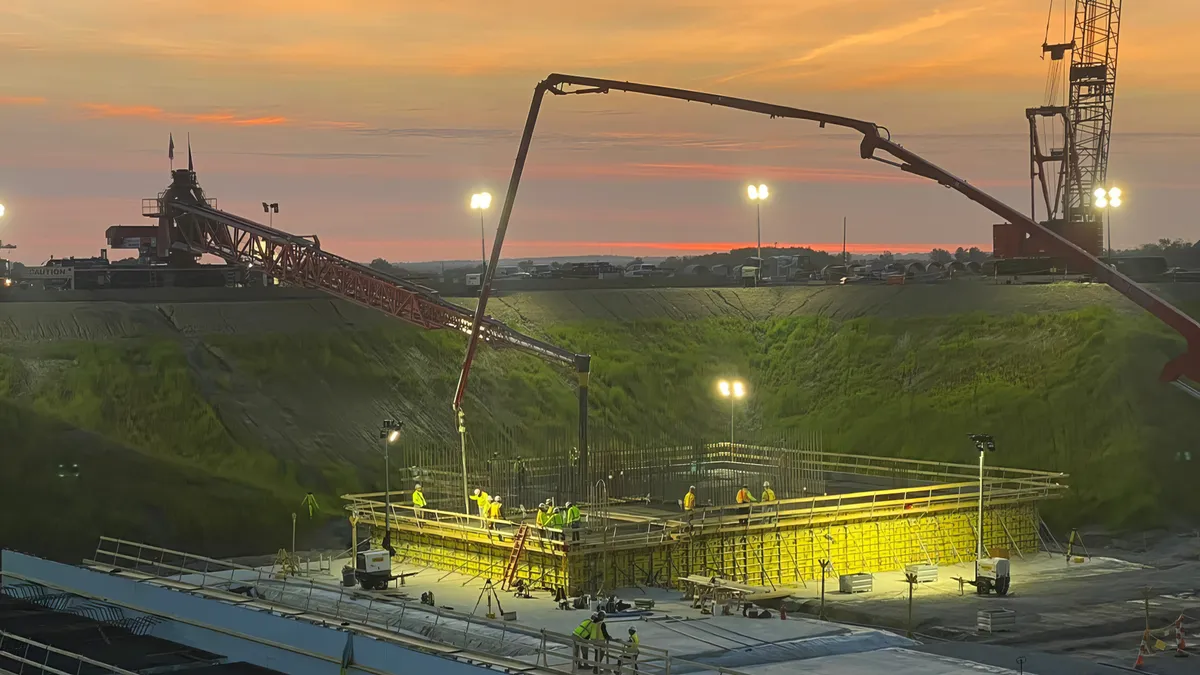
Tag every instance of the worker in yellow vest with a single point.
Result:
(543, 514)
(494, 509)
(630, 651)
(418, 499)
(583, 634)
(482, 499)
(768, 494)
(689, 499)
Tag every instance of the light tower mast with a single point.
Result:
(1068, 144)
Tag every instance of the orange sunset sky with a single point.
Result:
(373, 121)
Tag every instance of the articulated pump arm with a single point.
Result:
(876, 141)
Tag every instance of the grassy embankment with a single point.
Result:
(1073, 391)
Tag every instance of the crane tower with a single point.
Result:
(1069, 139)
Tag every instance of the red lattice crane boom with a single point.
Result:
(190, 225)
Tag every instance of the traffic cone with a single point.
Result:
(1181, 645)
(1141, 654)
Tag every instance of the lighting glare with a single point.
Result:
(1099, 192)
(1114, 193)
(734, 389)
(762, 191)
(395, 433)
(481, 200)
(1101, 202)
(758, 192)
(1, 210)
(1114, 202)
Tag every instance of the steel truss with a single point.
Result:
(197, 227)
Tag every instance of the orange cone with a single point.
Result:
(1181, 646)
(1141, 653)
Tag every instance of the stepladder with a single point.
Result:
(514, 558)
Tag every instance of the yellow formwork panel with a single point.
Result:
(790, 556)
(539, 564)
(783, 556)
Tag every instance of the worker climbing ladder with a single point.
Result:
(510, 569)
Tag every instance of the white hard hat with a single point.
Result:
(766, 484)
(496, 499)
(418, 487)
(691, 487)
(476, 492)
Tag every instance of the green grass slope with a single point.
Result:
(202, 426)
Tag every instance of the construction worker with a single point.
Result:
(768, 494)
(599, 636)
(493, 512)
(744, 496)
(630, 651)
(482, 499)
(543, 514)
(571, 519)
(689, 500)
(583, 634)
(418, 499)
(556, 522)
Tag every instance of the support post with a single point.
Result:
(583, 369)
(824, 567)
(911, 578)
(462, 433)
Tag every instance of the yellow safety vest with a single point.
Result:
(768, 495)
(597, 631)
(418, 498)
(584, 630)
(744, 496)
(494, 511)
(482, 502)
(635, 643)
(542, 517)
(689, 501)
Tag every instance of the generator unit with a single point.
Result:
(992, 576)
(373, 569)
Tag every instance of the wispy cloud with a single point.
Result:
(146, 112)
(879, 36)
(22, 100)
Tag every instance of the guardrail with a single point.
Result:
(35, 657)
(1005, 486)
(408, 624)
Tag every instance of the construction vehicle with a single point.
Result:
(373, 569)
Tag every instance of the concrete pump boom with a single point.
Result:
(876, 141)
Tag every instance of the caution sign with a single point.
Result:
(40, 273)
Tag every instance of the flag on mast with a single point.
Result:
(171, 148)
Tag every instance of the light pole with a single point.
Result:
(1108, 200)
(482, 201)
(757, 195)
(271, 209)
(389, 432)
(733, 391)
(983, 443)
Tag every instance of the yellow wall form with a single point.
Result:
(786, 555)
